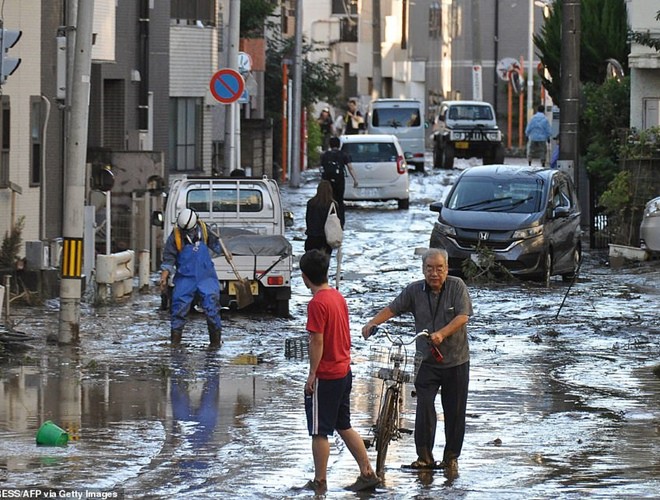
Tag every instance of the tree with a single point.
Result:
(319, 80)
(254, 14)
(605, 115)
(603, 35)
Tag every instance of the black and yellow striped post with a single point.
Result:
(72, 258)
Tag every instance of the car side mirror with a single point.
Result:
(562, 212)
(288, 218)
(157, 219)
(436, 206)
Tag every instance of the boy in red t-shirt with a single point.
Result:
(328, 386)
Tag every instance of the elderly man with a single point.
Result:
(440, 304)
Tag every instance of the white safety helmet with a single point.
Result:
(187, 219)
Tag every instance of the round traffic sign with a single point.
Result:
(227, 85)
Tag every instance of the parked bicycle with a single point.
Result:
(400, 368)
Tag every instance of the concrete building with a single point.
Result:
(644, 64)
(429, 48)
(151, 114)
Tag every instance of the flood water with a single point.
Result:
(562, 403)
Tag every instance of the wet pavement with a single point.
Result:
(562, 403)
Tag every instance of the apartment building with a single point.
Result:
(644, 64)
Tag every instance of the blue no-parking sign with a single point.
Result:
(227, 85)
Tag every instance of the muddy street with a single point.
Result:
(561, 404)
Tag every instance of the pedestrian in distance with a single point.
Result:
(327, 126)
(187, 255)
(554, 157)
(441, 305)
(538, 132)
(334, 164)
(316, 215)
(328, 385)
(353, 119)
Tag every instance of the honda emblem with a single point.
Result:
(483, 235)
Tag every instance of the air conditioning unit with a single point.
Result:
(37, 255)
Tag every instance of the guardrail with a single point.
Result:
(116, 270)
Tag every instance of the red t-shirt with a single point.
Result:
(327, 313)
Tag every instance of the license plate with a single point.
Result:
(254, 288)
(462, 145)
(368, 192)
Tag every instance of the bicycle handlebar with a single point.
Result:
(398, 340)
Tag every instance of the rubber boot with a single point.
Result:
(215, 337)
(175, 338)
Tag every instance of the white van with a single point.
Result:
(403, 118)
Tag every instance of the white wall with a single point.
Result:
(25, 82)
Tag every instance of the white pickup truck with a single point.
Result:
(247, 214)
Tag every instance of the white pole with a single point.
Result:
(530, 59)
(108, 215)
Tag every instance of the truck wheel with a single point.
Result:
(404, 204)
(448, 156)
(498, 154)
(282, 308)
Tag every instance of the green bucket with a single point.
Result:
(50, 434)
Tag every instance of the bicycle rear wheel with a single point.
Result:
(385, 427)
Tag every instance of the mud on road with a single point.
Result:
(561, 405)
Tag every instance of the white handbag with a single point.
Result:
(334, 234)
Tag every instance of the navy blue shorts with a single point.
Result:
(329, 407)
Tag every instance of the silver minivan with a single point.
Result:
(380, 169)
(403, 118)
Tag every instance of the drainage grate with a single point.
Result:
(297, 347)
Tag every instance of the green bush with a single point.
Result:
(11, 244)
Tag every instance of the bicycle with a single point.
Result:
(397, 372)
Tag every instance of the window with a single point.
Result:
(435, 20)
(185, 133)
(35, 141)
(193, 11)
(226, 200)
(5, 126)
(370, 151)
(344, 7)
(396, 117)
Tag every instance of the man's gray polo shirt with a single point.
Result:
(432, 311)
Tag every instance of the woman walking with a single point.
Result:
(315, 217)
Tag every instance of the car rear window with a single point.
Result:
(396, 117)
(226, 200)
(361, 152)
(470, 112)
(486, 194)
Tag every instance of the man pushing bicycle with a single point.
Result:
(440, 304)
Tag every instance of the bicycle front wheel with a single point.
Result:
(385, 427)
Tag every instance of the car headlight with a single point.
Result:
(457, 136)
(530, 232)
(494, 136)
(445, 229)
(652, 209)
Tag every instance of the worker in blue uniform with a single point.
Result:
(188, 252)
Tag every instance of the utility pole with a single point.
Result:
(74, 179)
(477, 93)
(296, 108)
(231, 152)
(570, 86)
(377, 61)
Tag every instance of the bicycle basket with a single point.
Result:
(393, 363)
